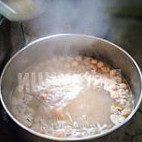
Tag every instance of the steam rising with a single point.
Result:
(71, 16)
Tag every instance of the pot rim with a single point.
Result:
(69, 139)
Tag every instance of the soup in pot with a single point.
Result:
(71, 97)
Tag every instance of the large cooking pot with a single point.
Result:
(69, 44)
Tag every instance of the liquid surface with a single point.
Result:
(78, 97)
(90, 105)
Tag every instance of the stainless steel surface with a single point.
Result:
(70, 44)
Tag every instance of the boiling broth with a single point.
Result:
(78, 97)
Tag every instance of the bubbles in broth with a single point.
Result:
(78, 97)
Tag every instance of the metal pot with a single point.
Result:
(69, 44)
